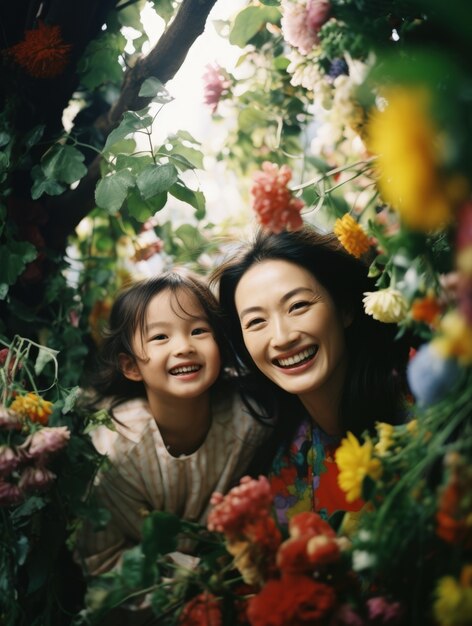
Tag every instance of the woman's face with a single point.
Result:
(292, 329)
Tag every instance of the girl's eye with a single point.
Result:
(159, 337)
(200, 331)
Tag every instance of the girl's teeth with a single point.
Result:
(185, 370)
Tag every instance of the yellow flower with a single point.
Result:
(412, 427)
(351, 235)
(355, 462)
(455, 339)
(385, 305)
(385, 433)
(33, 407)
(409, 149)
(453, 604)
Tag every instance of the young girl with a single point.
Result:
(181, 433)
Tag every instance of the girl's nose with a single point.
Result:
(184, 345)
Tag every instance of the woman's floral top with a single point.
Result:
(304, 478)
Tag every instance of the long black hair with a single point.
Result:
(128, 315)
(375, 380)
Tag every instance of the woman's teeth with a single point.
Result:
(296, 359)
(185, 370)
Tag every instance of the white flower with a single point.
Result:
(385, 305)
(361, 559)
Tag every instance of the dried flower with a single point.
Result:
(293, 600)
(33, 407)
(216, 84)
(9, 494)
(351, 235)
(9, 460)
(409, 151)
(9, 419)
(355, 462)
(275, 206)
(203, 610)
(385, 305)
(46, 441)
(301, 22)
(34, 478)
(42, 53)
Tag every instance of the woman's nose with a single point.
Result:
(283, 334)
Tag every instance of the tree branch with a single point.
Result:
(162, 62)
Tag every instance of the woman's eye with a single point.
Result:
(254, 322)
(302, 304)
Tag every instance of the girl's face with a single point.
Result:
(292, 329)
(176, 354)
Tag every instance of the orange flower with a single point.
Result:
(426, 310)
(33, 407)
(351, 235)
(42, 53)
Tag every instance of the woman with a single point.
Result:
(313, 358)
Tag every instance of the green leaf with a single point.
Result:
(130, 123)
(164, 8)
(132, 567)
(250, 118)
(159, 532)
(41, 184)
(153, 88)
(34, 135)
(63, 163)
(249, 21)
(100, 63)
(156, 179)
(194, 198)
(44, 356)
(112, 190)
(70, 400)
(14, 257)
(133, 163)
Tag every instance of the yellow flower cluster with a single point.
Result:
(351, 235)
(453, 605)
(455, 338)
(409, 149)
(33, 407)
(385, 433)
(385, 305)
(355, 462)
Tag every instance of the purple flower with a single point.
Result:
(381, 611)
(337, 68)
(430, 375)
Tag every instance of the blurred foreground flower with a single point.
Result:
(430, 375)
(42, 53)
(386, 305)
(33, 407)
(301, 22)
(216, 84)
(453, 604)
(203, 610)
(410, 151)
(355, 462)
(455, 338)
(274, 204)
(351, 235)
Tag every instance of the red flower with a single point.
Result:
(42, 53)
(274, 204)
(203, 610)
(291, 601)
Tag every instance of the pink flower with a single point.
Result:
(9, 494)
(3, 355)
(9, 459)
(346, 616)
(301, 22)
(383, 612)
(216, 84)
(46, 441)
(241, 506)
(35, 478)
(274, 204)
